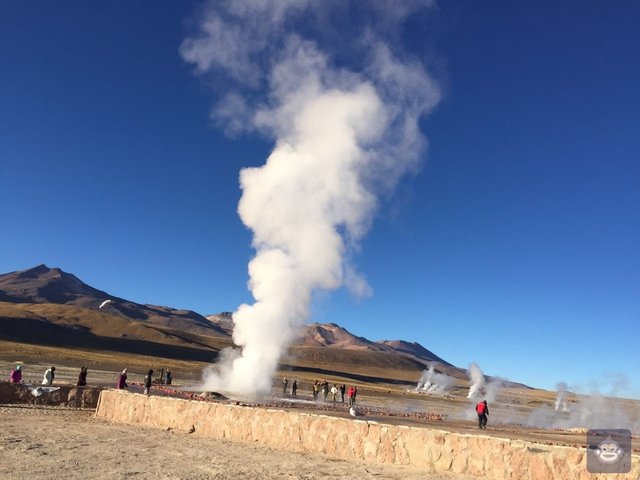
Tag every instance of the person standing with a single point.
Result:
(122, 380)
(169, 377)
(482, 410)
(353, 397)
(16, 374)
(82, 377)
(148, 380)
(350, 395)
(294, 388)
(343, 389)
(285, 383)
(49, 375)
(334, 393)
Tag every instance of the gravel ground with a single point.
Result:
(54, 443)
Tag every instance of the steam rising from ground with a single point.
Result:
(434, 382)
(477, 381)
(595, 410)
(342, 136)
(480, 389)
(561, 400)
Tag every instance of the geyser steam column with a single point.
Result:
(294, 205)
(342, 135)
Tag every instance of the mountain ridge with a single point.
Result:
(33, 289)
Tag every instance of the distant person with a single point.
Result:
(334, 393)
(482, 410)
(353, 397)
(148, 380)
(49, 375)
(350, 395)
(285, 383)
(325, 390)
(294, 388)
(82, 377)
(343, 389)
(316, 389)
(16, 374)
(169, 377)
(122, 380)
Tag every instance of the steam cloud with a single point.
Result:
(342, 136)
(595, 410)
(477, 381)
(434, 382)
(480, 388)
(561, 400)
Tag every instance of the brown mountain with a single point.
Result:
(332, 335)
(42, 284)
(318, 336)
(49, 306)
(412, 348)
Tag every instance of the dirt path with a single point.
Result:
(52, 443)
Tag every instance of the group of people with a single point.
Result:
(16, 376)
(322, 388)
(482, 408)
(148, 381)
(294, 387)
(319, 387)
(49, 376)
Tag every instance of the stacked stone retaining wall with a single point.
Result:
(427, 449)
(66, 395)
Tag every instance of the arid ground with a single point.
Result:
(52, 443)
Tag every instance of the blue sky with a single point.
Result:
(514, 246)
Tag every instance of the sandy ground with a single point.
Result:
(53, 443)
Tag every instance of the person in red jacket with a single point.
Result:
(482, 410)
(350, 395)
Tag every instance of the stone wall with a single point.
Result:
(67, 395)
(352, 439)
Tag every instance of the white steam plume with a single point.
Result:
(592, 410)
(434, 382)
(561, 404)
(476, 389)
(341, 137)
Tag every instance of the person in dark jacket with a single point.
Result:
(82, 377)
(483, 411)
(148, 379)
(122, 380)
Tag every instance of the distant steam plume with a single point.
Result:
(345, 129)
(476, 389)
(561, 400)
(479, 387)
(595, 410)
(434, 382)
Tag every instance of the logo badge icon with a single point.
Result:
(609, 451)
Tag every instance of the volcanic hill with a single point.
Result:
(47, 306)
